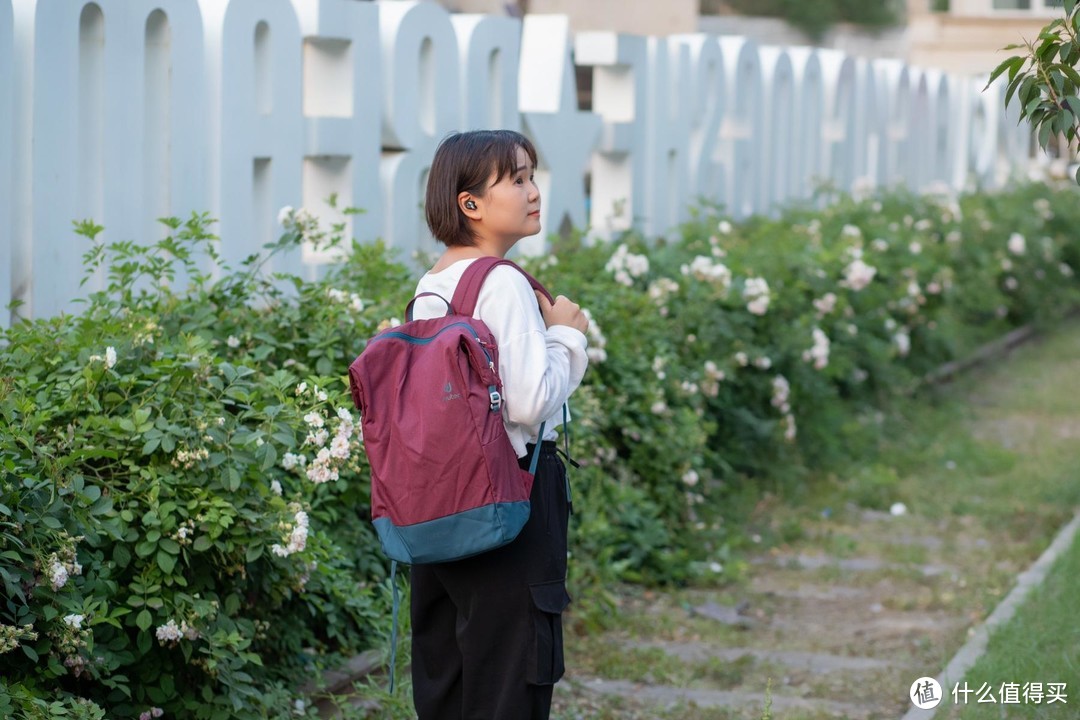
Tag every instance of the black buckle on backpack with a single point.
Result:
(496, 399)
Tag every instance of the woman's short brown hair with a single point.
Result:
(465, 162)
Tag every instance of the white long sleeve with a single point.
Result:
(540, 367)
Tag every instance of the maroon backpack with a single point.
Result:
(445, 480)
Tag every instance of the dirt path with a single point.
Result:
(839, 621)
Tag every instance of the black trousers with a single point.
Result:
(487, 630)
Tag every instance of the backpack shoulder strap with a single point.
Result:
(468, 288)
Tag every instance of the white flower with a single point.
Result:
(659, 407)
(880, 244)
(763, 362)
(913, 289)
(156, 712)
(597, 341)
(825, 304)
(903, 343)
(705, 268)
(789, 428)
(233, 341)
(344, 415)
(1011, 283)
(781, 391)
(724, 227)
(301, 388)
(741, 359)
(857, 275)
(716, 567)
(1017, 244)
(1065, 270)
(626, 265)
(658, 367)
(169, 632)
(851, 231)
(110, 357)
(284, 214)
(275, 487)
(339, 447)
(290, 460)
(898, 509)
(954, 237)
(58, 574)
(819, 352)
(74, 621)
(690, 477)
(314, 419)
(756, 293)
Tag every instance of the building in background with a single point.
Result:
(959, 36)
(967, 36)
(636, 17)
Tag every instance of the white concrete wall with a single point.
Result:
(7, 139)
(128, 110)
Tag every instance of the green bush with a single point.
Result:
(183, 496)
(184, 503)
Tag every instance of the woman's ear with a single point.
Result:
(469, 206)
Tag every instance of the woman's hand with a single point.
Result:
(562, 312)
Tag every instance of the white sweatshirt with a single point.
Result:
(540, 367)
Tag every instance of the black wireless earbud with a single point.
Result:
(470, 205)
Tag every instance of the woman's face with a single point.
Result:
(510, 208)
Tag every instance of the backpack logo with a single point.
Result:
(450, 394)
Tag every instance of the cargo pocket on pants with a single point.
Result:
(549, 599)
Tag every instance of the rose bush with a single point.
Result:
(184, 524)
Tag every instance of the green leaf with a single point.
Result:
(1078, 175)
(1071, 73)
(269, 456)
(50, 522)
(254, 552)
(166, 562)
(5, 510)
(151, 445)
(143, 620)
(1017, 63)
(30, 653)
(996, 72)
(1044, 134)
(1069, 5)
(170, 546)
(201, 544)
(1013, 85)
(121, 555)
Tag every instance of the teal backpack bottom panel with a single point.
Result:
(453, 537)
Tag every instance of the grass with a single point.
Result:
(1041, 644)
(985, 468)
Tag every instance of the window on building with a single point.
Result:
(1012, 4)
